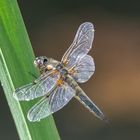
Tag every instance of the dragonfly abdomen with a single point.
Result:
(84, 99)
(72, 83)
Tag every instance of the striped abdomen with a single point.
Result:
(84, 99)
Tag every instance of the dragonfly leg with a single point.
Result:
(33, 75)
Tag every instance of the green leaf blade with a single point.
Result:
(16, 61)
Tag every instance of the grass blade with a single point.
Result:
(16, 61)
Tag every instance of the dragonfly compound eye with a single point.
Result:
(45, 60)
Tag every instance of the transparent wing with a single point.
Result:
(81, 45)
(48, 105)
(42, 87)
(39, 110)
(84, 69)
(61, 97)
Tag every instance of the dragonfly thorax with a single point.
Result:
(63, 71)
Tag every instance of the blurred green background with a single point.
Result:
(52, 25)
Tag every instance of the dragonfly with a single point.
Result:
(58, 80)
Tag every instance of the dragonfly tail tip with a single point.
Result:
(105, 119)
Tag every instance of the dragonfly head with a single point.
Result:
(41, 62)
(44, 64)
